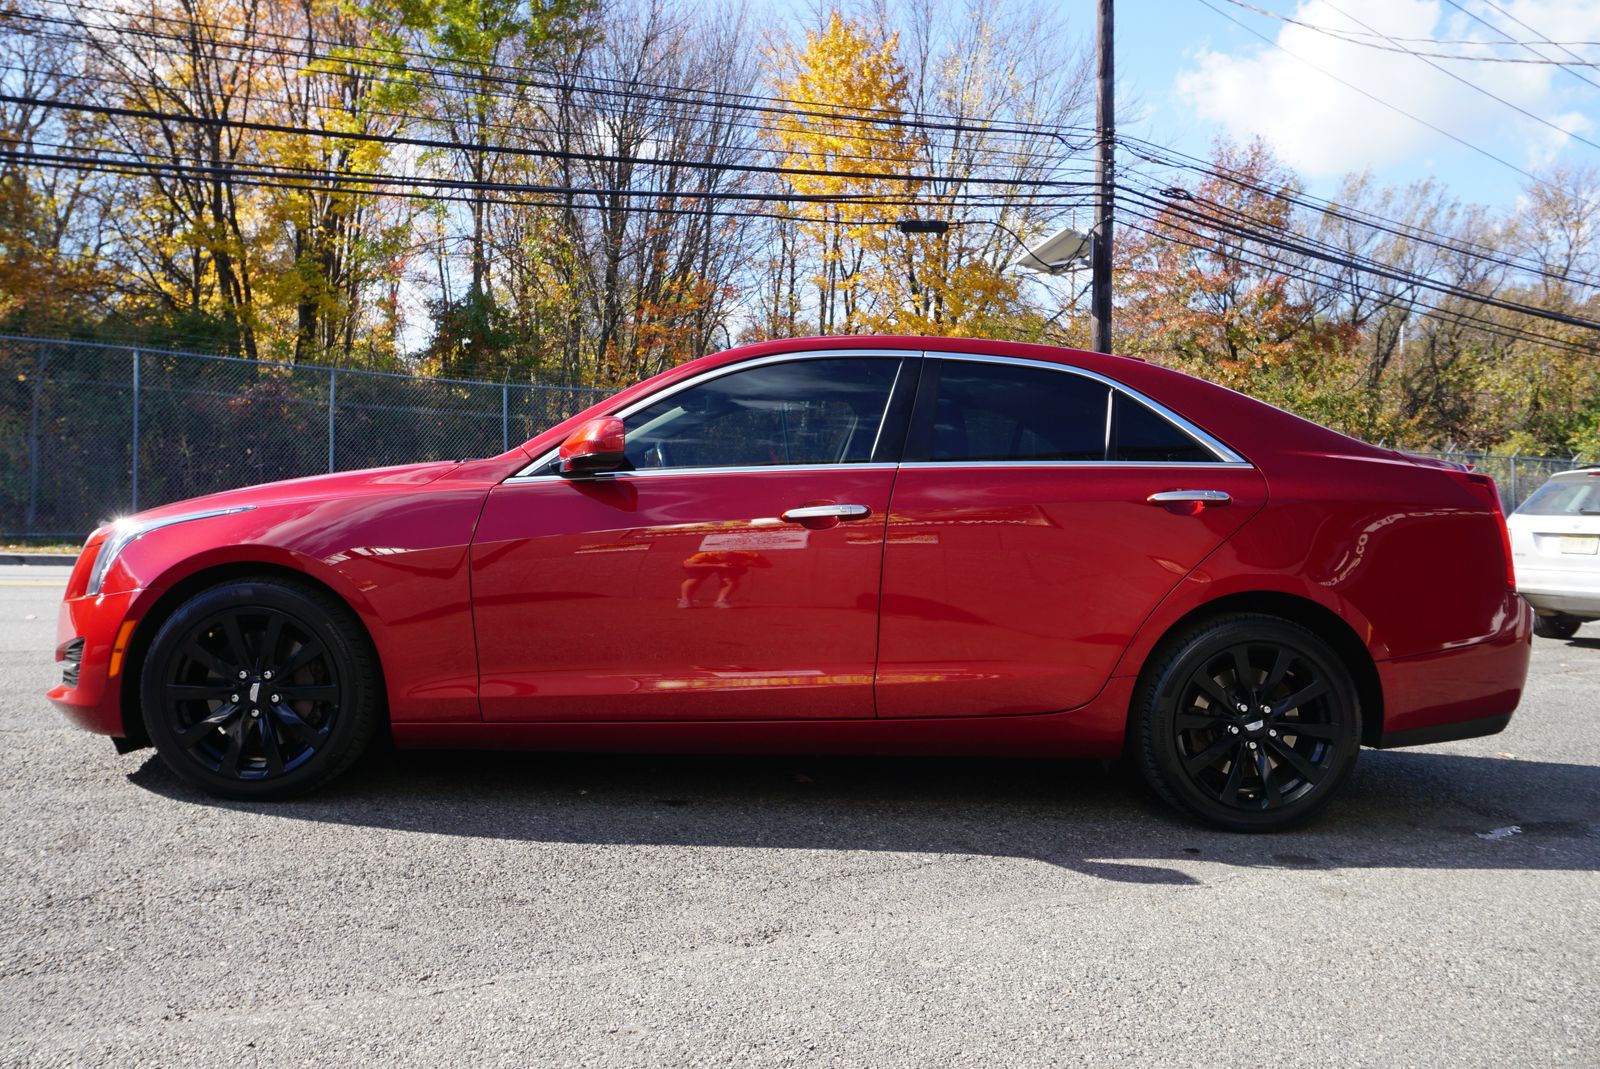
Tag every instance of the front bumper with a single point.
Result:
(91, 697)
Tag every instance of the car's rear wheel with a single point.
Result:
(260, 688)
(1556, 626)
(1247, 721)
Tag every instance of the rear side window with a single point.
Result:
(1140, 434)
(1565, 497)
(1001, 412)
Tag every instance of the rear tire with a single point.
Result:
(260, 689)
(1556, 626)
(1247, 721)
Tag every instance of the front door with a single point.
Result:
(733, 574)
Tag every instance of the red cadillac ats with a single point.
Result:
(906, 545)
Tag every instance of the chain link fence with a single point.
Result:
(1517, 476)
(89, 430)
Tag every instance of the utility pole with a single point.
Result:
(1104, 175)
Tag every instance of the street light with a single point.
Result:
(1056, 254)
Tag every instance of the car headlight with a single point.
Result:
(125, 531)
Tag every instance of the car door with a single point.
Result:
(1029, 536)
(732, 574)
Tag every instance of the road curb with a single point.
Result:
(38, 558)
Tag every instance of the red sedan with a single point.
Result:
(890, 545)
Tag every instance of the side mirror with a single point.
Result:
(594, 448)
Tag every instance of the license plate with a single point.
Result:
(1580, 544)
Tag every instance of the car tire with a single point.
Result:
(261, 689)
(1256, 744)
(1556, 626)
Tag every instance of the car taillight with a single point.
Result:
(1485, 487)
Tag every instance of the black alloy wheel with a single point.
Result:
(1250, 722)
(259, 689)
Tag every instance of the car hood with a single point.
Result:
(397, 478)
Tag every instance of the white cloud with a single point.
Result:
(1323, 128)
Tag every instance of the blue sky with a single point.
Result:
(1195, 76)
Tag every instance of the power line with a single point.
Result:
(1474, 86)
(1267, 262)
(748, 102)
(1581, 62)
(572, 87)
(521, 131)
(1399, 44)
(1373, 97)
(1307, 247)
(1409, 231)
(511, 150)
(375, 182)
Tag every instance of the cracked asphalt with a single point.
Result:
(548, 910)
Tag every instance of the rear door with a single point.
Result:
(1029, 536)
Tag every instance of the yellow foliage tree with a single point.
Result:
(848, 89)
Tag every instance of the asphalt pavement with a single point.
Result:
(548, 910)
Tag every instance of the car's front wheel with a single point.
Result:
(260, 688)
(1248, 721)
(1555, 626)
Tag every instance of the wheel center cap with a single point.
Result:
(255, 691)
(1254, 727)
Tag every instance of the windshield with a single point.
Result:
(1578, 496)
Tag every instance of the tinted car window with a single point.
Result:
(1138, 433)
(1004, 412)
(819, 411)
(1565, 497)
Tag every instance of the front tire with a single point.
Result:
(260, 688)
(1562, 627)
(1247, 721)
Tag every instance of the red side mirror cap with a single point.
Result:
(596, 446)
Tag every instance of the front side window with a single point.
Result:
(825, 410)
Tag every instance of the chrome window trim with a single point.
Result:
(1224, 455)
(728, 369)
(1186, 465)
(663, 473)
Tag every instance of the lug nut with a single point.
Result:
(1244, 708)
(1235, 730)
(233, 697)
(274, 698)
(1252, 746)
(267, 674)
(257, 712)
(243, 674)
(1272, 734)
(1266, 710)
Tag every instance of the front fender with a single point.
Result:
(399, 560)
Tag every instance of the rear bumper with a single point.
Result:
(1458, 693)
(1461, 729)
(1568, 602)
(93, 701)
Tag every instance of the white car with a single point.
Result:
(1555, 545)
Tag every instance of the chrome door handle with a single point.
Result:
(825, 512)
(1204, 497)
